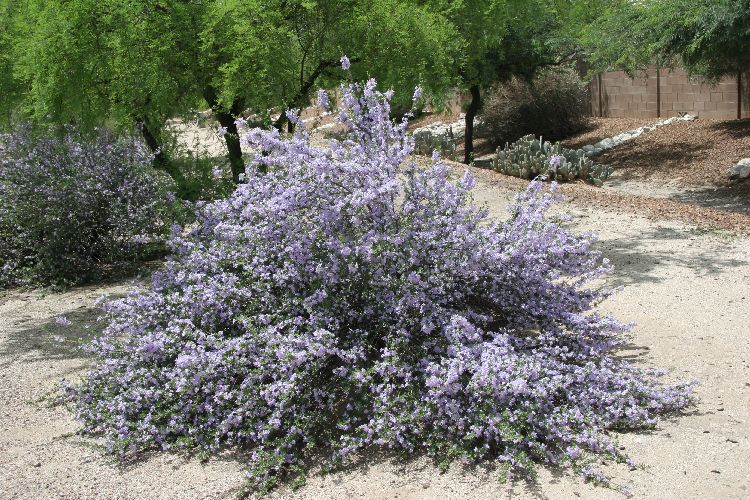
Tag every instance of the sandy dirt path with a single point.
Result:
(687, 290)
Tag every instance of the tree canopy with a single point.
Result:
(710, 38)
(118, 62)
(505, 38)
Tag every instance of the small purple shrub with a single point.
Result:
(350, 299)
(73, 209)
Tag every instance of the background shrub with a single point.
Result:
(75, 209)
(530, 157)
(554, 105)
(348, 299)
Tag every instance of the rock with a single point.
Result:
(326, 126)
(740, 170)
(425, 484)
(608, 143)
(744, 161)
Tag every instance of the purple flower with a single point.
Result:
(76, 207)
(293, 116)
(351, 298)
(556, 161)
(518, 386)
(418, 91)
(323, 99)
(62, 321)
(345, 64)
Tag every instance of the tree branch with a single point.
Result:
(303, 93)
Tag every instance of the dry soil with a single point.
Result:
(687, 289)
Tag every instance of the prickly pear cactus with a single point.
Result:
(425, 142)
(530, 157)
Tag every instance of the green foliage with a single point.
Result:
(554, 105)
(403, 45)
(715, 39)
(620, 37)
(85, 61)
(116, 62)
(708, 37)
(530, 157)
(500, 39)
(426, 141)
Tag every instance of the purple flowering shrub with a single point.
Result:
(350, 299)
(73, 209)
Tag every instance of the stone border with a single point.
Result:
(740, 170)
(611, 142)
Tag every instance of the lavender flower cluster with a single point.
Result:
(73, 208)
(349, 299)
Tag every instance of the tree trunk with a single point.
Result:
(303, 93)
(161, 161)
(231, 136)
(471, 112)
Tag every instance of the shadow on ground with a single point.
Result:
(674, 157)
(50, 337)
(47, 340)
(734, 197)
(635, 261)
(737, 129)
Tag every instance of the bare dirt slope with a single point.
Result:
(687, 289)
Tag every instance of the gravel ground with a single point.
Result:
(676, 172)
(688, 291)
(687, 163)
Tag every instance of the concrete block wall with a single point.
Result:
(667, 92)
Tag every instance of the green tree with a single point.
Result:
(710, 38)
(505, 38)
(301, 44)
(121, 62)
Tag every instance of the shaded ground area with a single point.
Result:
(678, 171)
(640, 199)
(686, 162)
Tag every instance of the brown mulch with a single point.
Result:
(694, 153)
(658, 208)
(602, 128)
